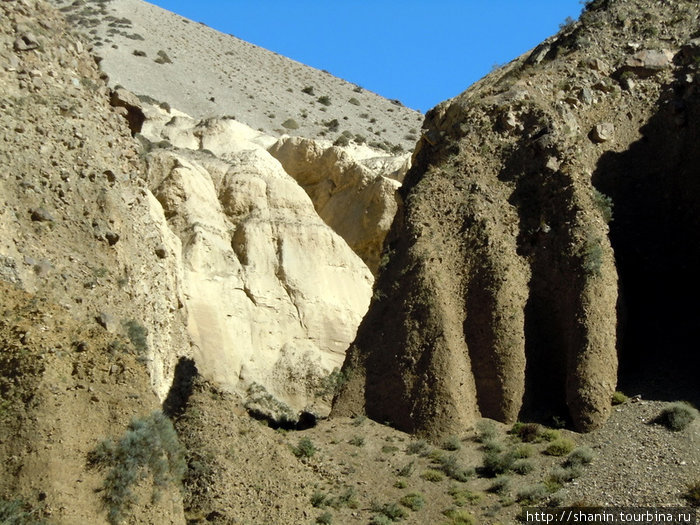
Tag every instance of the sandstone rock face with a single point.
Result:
(273, 295)
(357, 202)
(501, 296)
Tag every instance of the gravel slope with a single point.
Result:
(204, 73)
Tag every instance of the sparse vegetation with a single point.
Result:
(413, 501)
(325, 519)
(618, 398)
(526, 432)
(459, 517)
(522, 467)
(137, 334)
(677, 416)
(163, 58)
(150, 444)
(392, 511)
(500, 485)
(309, 90)
(419, 447)
(579, 456)
(463, 497)
(304, 448)
(332, 383)
(604, 205)
(342, 140)
(432, 475)
(357, 441)
(485, 430)
(452, 443)
(452, 469)
(324, 99)
(16, 512)
(407, 470)
(560, 447)
(290, 123)
(354, 101)
(532, 494)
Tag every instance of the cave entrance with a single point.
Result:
(655, 233)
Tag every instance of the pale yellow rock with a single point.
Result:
(356, 201)
(273, 295)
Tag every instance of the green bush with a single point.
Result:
(463, 497)
(677, 416)
(497, 463)
(532, 494)
(163, 58)
(325, 100)
(604, 205)
(309, 90)
(380, 519)
(492, 445)
(500, 485)
(485, 431)
(413, 501)
(549, 434)
(562, 475)
(618, 398)
(325, 519)
(526, 432)
(459, 517)
(137, 334)
(419, 447)
(452, 469)
(391, 511)
(304, 449)
(522, 467)
(560, 447)
(290, 123)
(432, 475)
(16, 512)
(452, 443)
(357, 441)
(342, 140)
(354, 101)
(151, 444)
(319, 499)
(579, 456)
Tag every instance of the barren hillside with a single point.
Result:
(205, 73)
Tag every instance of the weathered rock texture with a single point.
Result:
(357, 202)
(274, 296)
(500, 297)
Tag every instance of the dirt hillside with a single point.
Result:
(205, 73)
(548, 231)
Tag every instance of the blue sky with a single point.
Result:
(419, 52)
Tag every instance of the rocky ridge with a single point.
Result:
(500, 296)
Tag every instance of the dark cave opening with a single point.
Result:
(655, 233)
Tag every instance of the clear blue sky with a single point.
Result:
(419, 52)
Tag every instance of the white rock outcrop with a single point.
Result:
(358, 202)
(273, 294)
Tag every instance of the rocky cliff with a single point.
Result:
(508, 291)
